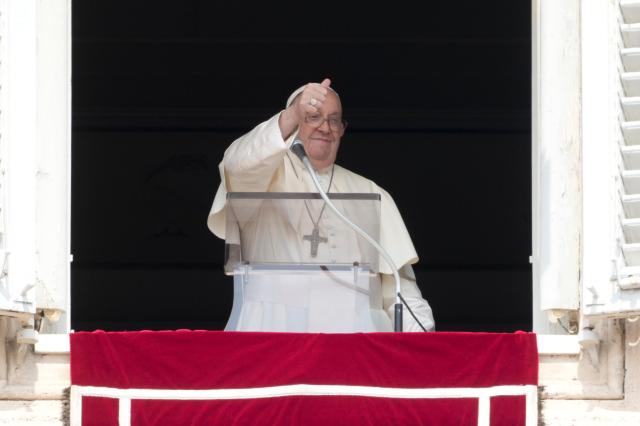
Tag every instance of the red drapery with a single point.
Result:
(205, 360)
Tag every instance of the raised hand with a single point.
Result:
(312, 97)
(309, 101)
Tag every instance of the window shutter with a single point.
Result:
(611, 158)
(18, 86)
(628, 262)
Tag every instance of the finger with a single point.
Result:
(312, 94)
(315, 103)
(313, 98)
(316, 98)
(326, 83)
(304, 102)
(316, 88)
(310, 109)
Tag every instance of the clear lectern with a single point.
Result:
(297, 267)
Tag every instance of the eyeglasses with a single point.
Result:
(316, 120)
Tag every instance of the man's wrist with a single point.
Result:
(287, 122)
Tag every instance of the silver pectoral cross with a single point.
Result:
(315, 240)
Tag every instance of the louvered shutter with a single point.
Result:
(611, 158)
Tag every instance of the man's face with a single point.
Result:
(321, 142)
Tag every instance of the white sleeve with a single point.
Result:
(252, 160)
(412, 295)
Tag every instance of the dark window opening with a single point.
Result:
(438, 104)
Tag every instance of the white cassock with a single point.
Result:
(261, 161)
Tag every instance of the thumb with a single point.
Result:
(326, 82)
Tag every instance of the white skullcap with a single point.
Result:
(298, 91)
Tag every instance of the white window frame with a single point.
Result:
(574, 194)
(35, 98)
(54, 164)
(18, 157)
(556, 180)
(557, 220)
(559, 125)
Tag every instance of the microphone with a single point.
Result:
(298, 149)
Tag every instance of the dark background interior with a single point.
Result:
(438, 101)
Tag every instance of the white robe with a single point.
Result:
(260, 161)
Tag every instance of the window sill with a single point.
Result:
(52, 344)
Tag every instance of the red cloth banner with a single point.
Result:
(301, 379)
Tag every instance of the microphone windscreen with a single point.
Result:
(298, 149)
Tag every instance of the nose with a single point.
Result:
(324, 127)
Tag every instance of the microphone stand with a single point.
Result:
(298, 149)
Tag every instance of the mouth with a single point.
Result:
(325, 140)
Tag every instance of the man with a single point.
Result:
(261, 161)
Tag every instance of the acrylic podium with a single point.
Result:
(297, 267)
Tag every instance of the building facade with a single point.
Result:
(586, 186)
